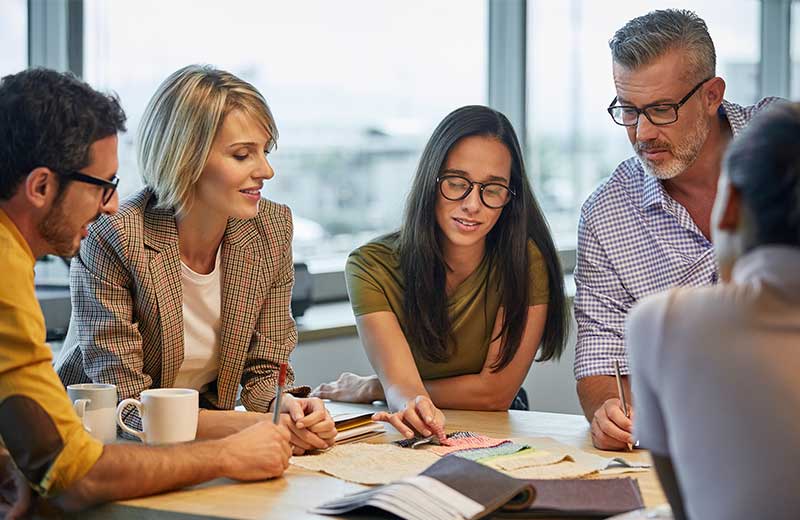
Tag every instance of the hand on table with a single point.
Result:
(611, 430)
(258, 452)
(15, 493)
(351, 388)
(418, 416)
(310, 424)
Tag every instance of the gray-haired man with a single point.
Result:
(647, 228)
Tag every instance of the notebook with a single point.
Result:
(453, 488)
(353, 427)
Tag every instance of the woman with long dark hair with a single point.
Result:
(453, 308)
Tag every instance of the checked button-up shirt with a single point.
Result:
(635, 240)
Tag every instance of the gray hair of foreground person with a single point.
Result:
(763, 164)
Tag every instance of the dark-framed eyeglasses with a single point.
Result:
(109, 187)
(657, 113)
(493, 194)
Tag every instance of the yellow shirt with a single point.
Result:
(37, 423)
(375, 283)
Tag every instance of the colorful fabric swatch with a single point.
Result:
(467, 445)
(481, 454)
(459, 441)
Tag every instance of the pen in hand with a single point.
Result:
(276, 412)
(621, 392)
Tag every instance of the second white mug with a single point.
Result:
(169, 415)
(95, 404)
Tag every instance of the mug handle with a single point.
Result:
(80, 408)
(121, 423)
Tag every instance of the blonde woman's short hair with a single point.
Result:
(180, 123)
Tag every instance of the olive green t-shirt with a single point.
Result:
(375, 283)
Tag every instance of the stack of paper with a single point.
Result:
(452, 489)
(356, 426)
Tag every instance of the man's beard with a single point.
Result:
(683, 155)
(55, 230)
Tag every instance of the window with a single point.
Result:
(13, 36)
(356, 88)
(572, 143)
(795, 52)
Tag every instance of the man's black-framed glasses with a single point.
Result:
(657, 113)
(493, 194)
(109, 187)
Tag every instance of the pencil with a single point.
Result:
(276, 412)
(621, 392)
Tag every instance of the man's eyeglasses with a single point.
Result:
(493, 194)
(109, 187)
(657, 113)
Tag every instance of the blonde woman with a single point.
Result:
(189, 284)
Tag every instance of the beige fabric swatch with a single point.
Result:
(526, 459)
(371, 464)
(565, 469)
(581, 463)
(366, 463)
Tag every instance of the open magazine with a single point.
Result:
(455, 488)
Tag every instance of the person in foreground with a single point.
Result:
(647, 228)
(58, 163)
(189, 284)
(715, 369)
(452, 308)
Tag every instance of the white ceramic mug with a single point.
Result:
(169, 415)
(96, 405)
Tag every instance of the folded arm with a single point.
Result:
(492, 390)
(486, 390)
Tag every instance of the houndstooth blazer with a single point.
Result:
(126, 326)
